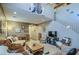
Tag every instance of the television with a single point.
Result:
(52, 33)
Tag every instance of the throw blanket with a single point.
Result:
(3, 51)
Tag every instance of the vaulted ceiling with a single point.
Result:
(69, 16)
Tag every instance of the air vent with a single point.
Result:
(14, 16)
(67, 9)
(77, 14)
(72, 12)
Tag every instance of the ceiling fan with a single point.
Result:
(37, 8)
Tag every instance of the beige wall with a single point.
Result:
(34, 30)
(17, 28)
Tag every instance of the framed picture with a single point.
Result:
(18, 30)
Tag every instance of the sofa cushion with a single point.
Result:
(2, 42)
(7, 42)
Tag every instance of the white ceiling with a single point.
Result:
(24, 15)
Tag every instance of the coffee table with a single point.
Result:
(35, 47)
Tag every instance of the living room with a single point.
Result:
(38, 29)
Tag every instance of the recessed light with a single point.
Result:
(14, 12)
(68, 26)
